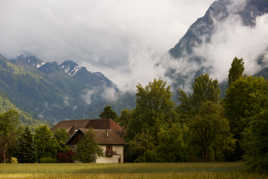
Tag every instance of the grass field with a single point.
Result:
(129, 171)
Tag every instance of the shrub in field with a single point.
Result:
(65, 157)
(13, 160)
(47, 160)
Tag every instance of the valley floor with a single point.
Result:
(129, 171)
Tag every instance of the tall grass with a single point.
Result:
(129, 171)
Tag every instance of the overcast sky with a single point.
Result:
(121, 38)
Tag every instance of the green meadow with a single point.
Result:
(129, 171)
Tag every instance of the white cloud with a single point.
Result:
(66, 100)
(87, 95)
(110, 94)
(103, 34)
(230, 39)
(234, 39)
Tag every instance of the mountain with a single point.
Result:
(202, 31)
(263, 73)
(25, 118)
(26, 61)
(53, 92)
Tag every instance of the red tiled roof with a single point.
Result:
(101, 136)
(106, 131)
(87, 124)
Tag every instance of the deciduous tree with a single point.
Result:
(9, 123)
(210, 130)
(108, 113)
(45, 143)
(256, 143)
(154, 110)
(204, 89)
(87, 149)
(61, 137)
(246, 97)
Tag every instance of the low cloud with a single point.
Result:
(110, 94)
(230, 39)
(87, 95)
(110, 36)
(233, 39)
(66, 100)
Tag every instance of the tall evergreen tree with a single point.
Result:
(236, 70)
(26, 150)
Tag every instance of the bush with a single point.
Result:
(66, 157)
(13, 160)
(48, 160)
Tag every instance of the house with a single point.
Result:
(107, 134)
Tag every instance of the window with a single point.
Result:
(109, 148)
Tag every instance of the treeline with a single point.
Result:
(40, 144)
(203, 126)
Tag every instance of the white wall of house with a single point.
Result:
(119, 149)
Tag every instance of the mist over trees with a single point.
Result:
(203, 126)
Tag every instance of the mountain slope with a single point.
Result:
(202, 31)
(53, 91)
(25, 118)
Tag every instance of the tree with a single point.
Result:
(154, 110)
(45, 143)
(142, 147)
(26, 150)
(154, 106)
(87, 149)
(9, 123)
(61, 137)
(246, 97)
(256, 143)
(210, 130)
(125, 116)
(108, 113)
(236, 70)
(173, 144)
(204, 89)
